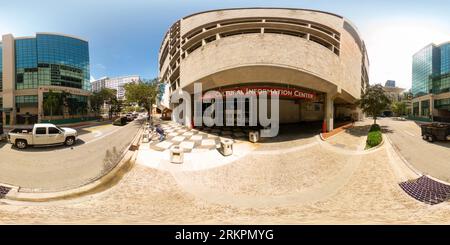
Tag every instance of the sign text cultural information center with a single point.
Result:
(292, 93)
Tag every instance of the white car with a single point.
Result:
(42, 134)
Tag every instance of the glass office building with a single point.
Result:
(52, 60)
(431, 82)
(1, 78)
(38, 66)
(426, 63)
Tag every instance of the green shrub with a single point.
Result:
(374, 138)
(375, 127)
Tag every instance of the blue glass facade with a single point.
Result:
(52, 60)
(426, 63)
(431, 70)
(1, 72)
(445, 59)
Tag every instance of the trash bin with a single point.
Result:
(226, 147)
(253, 136)
(176, 154)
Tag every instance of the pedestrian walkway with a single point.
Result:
(200, 138)
(350, 137)
(336, 131)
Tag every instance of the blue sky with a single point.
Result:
(125, 35)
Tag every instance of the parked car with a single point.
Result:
(42, 134)
(120, 121)
(435, 131)
(129, 117)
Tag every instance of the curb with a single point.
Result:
(410, 166)
(103, 183)
(403, 159)
(332, 136)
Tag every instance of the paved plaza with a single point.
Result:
(199, 138)
(302, 180)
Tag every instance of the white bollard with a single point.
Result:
(226, 147)
(253, 136)
(176, 154)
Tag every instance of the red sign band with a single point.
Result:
(256, 90)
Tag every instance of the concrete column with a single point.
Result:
(432, 107)
(329, 111)
(420, 108)
(89, 105)
(9, 77)
(40, 104)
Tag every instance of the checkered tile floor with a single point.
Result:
(199, 138)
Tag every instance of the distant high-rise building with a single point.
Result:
(390, 84)
(431, 82)
(98, 84)
(116, 83)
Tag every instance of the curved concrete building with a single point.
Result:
(305, 51)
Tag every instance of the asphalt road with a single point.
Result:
(429, 158)
(59, 167)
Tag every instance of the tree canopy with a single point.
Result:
(108, 96)
(374, 101)
(399, 108)
(143, 94)
(52, 102)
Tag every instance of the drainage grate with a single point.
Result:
(3, 191)
(427, 190)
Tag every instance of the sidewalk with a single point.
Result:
(200, 138)
(350, 137)
(336, 131)
(200, 147)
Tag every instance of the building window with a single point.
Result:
(416, 108)
(425, 110)
(52, 60)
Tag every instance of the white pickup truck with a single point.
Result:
(42, 134)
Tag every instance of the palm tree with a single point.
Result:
(51, 101)
(63, 100)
